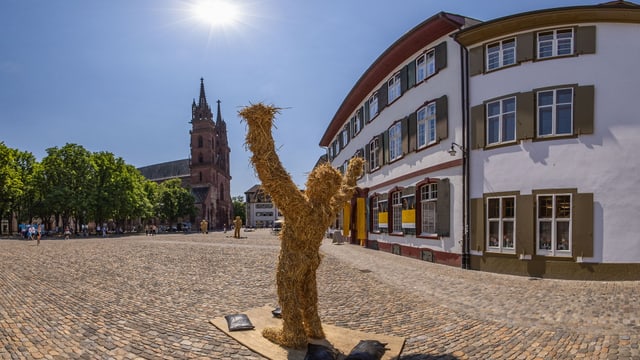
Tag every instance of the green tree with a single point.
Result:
(239, 208)
(68, 181)
(11, 186)
(174, 201)
(29, 202)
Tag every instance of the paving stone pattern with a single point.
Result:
(139, 297)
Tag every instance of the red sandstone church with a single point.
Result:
(207, 171)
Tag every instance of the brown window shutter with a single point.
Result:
(367, 158)
(413, 129)
(525, 116)
(411, 74)
(476, 234)
(525, 225)
(384, 148)
(404, 128)
(383, 96)
(404, 80)
(365, 113)
(443, 208)
(441, 56)
(442, 123)
(477, 127)
(583, 110)
(586, 40)
(525, 47)
(582, 225)
(476, 60)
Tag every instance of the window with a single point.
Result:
(425, 66)
(555, 112)
(394, 87)
(334, 149)
(555, 43)
(501, 121)
(374, 153)
(199, 141)
(383, 214)
(395, 141)
(373, 106)
(501, 53)
(554, 225)
(345, 137)
(374, 214)
(501, 223)
(396, 215)
(428, 205)
(200, 159)
(426, 125)
(358, 123)
(408, 211)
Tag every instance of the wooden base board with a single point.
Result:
(340, 338)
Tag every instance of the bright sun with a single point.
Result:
(216, 12)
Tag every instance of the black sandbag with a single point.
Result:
(320, 352)
(277, 312)
(367, 350)
(237, 322)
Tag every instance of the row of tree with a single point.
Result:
(74, 184)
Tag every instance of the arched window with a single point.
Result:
(199, 141)
(200, 175)
(200, 158)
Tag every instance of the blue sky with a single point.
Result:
(120, 75)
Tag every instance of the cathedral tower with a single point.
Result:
(209, 164)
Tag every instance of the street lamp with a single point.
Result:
(452, 151)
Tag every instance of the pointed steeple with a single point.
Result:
(203, 100)
(218, 116)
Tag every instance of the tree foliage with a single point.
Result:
(239, 208)
(174, 201)
(73, 183)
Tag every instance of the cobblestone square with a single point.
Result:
(139, 297)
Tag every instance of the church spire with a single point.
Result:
(203, 100)
(218, 116)
(201, 111)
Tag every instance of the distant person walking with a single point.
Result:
(39, 233)
(237, 224)
(67, 233)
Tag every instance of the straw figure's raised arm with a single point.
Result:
(347, 188)
(275, 179)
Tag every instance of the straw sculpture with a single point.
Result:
(307, 215)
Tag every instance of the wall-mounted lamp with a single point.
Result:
(453, 151)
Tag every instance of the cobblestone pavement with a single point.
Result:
(141, 297)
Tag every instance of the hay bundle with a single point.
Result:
(307, 216)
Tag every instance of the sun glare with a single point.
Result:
(216, 12)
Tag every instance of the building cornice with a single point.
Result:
(619, 12)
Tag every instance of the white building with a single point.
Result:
(402, 116)
(260, 210)
(553, 171)
(537, 110)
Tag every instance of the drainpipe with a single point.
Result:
(466, 241)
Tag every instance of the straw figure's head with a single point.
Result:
(323, 183)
